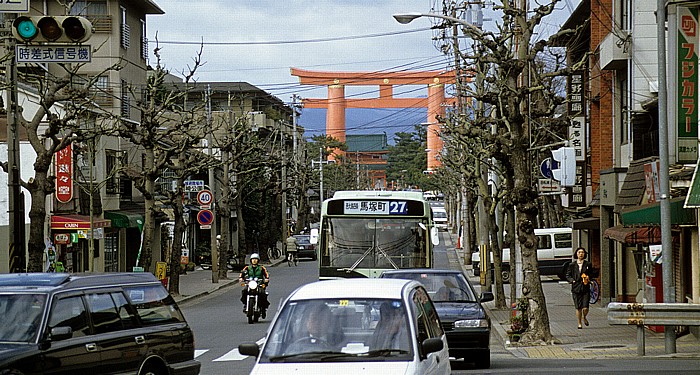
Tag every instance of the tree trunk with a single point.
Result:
(178, 233)
(149, 225)
(37, 221)
(538, 330)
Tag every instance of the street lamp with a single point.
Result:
(405, 18)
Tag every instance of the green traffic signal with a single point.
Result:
(25, 28)
(52, 29)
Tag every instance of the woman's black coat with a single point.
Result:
(574, 276)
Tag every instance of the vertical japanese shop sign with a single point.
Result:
(577, 137)
(687, 85)
(64, 174)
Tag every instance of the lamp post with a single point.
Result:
(469, 28)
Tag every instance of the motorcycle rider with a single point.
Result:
(251, 271)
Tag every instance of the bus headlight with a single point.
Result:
(472, 323)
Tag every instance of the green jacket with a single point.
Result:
(251, 272)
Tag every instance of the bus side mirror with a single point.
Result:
(434, 236)
(313, 236)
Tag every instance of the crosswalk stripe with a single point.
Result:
(233, 355)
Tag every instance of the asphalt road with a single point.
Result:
(219, 326)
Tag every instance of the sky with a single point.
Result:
(258, 41)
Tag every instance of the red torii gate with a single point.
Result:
(337, 103)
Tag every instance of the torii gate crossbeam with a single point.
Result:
(336, 103)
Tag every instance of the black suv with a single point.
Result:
(110, 323)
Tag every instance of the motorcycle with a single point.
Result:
(254, 308)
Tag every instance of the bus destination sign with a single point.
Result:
(373, 207)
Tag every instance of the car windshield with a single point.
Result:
(340, 330)
(442, 287)
(21, 316)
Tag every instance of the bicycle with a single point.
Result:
(273, 253)
(292, 258)
(595, 291)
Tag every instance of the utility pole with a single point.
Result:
(17, 251)
(212, 187)
(283, 182)
(665, 205)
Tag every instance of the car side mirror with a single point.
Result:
(251, 349)
(61, 333)
(486, 297)
(434, 236)
(313, 236)
(431, 345)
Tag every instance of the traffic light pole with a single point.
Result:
(17, 258)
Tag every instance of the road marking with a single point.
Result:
(232, 355)
(199, 352)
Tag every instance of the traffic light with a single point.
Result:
(52, 29)
(566, 173)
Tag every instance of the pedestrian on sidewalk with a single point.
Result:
(578, 275)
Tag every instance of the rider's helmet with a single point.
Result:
(254, 256)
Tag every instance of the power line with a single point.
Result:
(319, 40)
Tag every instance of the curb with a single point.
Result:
(224, 284)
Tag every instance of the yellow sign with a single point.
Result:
(161, 268)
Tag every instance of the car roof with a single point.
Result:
(52, 281)
(423, 270)
(353, 288)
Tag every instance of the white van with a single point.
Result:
(554, 253)
(439, 218)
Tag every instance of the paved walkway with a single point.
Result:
(599, 340)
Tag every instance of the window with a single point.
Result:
(124, 27)
(89, 8)
(562, 240)
(70, 312)
(154, 305)
(144, 41)
(126, 102)
(95, 11)
(112, 169)
(103, 313)
(544, 241)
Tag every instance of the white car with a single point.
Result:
(440, 218)
(353, 326)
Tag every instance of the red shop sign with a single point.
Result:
(61, 238)
(64, 174)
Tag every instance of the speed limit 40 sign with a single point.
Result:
(205, 198)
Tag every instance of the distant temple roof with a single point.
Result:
(366, 142)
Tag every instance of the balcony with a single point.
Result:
(614, 52)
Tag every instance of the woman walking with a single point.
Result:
(578, 275)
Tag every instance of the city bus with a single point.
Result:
(364, 233)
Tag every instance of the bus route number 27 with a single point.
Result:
(398, 208)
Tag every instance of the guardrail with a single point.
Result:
(661, 314)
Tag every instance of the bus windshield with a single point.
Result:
(384, 243)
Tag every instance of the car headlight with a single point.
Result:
(472, 323)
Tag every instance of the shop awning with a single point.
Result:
(692, 200)
(77, 222)
(650, 214)
(121, 219)
(632, 235)
(591, 223)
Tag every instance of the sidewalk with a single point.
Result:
(198, 283)
(599, 340)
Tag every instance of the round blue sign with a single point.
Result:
(205, 217)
